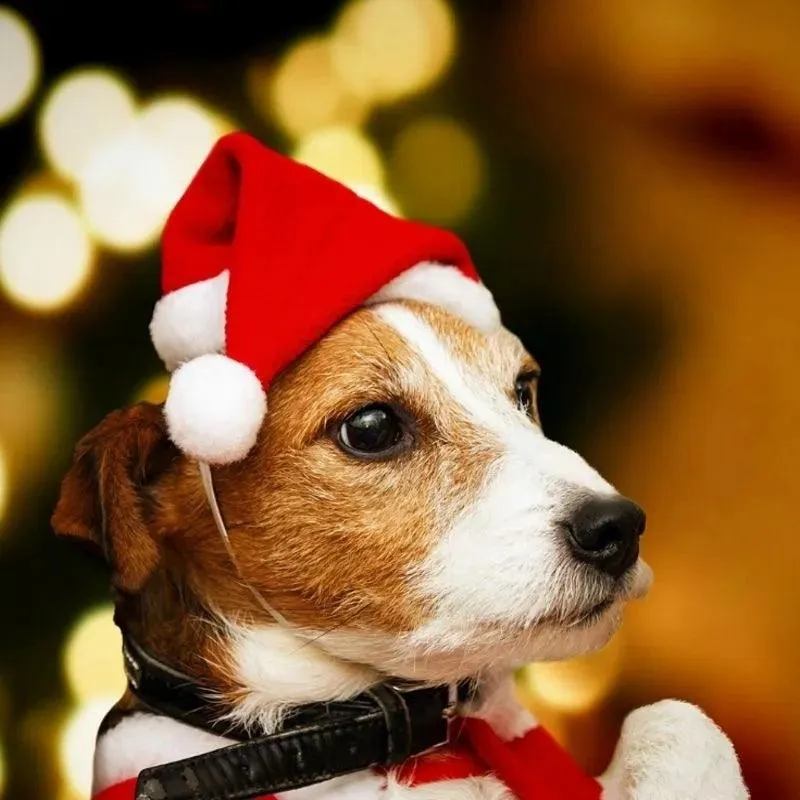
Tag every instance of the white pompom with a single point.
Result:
(215, 408)
(447, 287)
(190, 322)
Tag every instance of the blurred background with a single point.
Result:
(627, 176)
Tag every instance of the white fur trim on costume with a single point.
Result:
(214, 409)
(190, 322)
(146, 740)
(500, 706)
(485, 787)
(444, 286)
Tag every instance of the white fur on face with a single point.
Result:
(502, 566)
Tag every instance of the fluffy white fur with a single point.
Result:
(501, 708)
(190, 322)
(672, 750)
(447, 287)
(369, 786)
(293, 672)
(146, 740)
(483, 788)
(214, 408)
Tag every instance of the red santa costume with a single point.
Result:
(533, 766)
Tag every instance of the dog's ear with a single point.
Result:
(104, 502)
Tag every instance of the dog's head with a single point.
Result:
(402, 508)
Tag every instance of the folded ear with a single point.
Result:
(104, 502)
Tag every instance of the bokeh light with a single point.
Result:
(83, 111)
(46, 256)
(37, 405)
(437, 169)
(92, 656)
(153, 390)
(4, 485)
(76, 743)
(19, 63)
(2, 770)
(578, 685)
(131, 183)
(305, 92)
(378, 197)
(124, 192)
(387, 49)
(344, 154)
(185, 131)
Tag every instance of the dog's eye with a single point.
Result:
(372, 430)
(526, 400)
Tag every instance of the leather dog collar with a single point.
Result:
(383, 726)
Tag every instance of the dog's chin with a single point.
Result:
(447, 649)
(555, 635)
(500, 646)
(587, 628)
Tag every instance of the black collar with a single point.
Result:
(385, 725)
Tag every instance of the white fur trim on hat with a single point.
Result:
(190, 322)
(446, 287)
(214, 408)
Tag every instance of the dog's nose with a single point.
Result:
(605, 531)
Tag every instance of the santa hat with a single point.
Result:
(262, 256)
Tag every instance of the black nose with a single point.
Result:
(605, 531)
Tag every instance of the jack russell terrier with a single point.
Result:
(325, 595)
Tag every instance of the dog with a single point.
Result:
(401, 515)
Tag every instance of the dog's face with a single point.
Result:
(402, 507)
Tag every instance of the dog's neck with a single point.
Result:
(253, 673)
(277, 669)
(286, 672)
(256, 672)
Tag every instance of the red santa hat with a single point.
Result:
(262, 256)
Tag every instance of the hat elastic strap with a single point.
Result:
(211, 496)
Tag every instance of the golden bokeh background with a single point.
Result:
(627, 176)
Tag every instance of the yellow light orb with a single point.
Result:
(19, 63)
(36, 404)
(92, 656)
(76, 744)
(344, 154)
(46, 256)
(131, 183)
(126, 191)
(223, 123)
(305, 92)
(437, 170)
(577, 685)
(185, 131)
(4, 487)
(387, 49)
(153, 391)
(84, 111)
